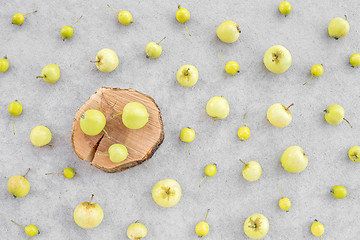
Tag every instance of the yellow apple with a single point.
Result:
(256, 226)
(338, 28)
(218, 107)
(187, 75)
(40, 136)
(228, 31)
(135, 115)
(317, 229)
(166, 193)
(279, 115)
(136, 231)
(354, 153)
(334, 115)
(294, 159)
(251, 171)
(88, 214)
(18, 186)
(277, 59)
(106, 60)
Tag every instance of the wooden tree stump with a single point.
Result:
(141, 143)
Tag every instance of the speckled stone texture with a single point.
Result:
(126, 196)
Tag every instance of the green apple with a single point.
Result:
(106, 60)
(88, 214)
(256, 226)
(92, 122)
(294, 159)
(279, 115)
(166, 193)
(354, 153)
(277, 59)
(135, 115)
(50, 73)
(117, 152)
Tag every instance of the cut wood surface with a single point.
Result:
(141, 143)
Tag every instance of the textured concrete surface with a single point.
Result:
(126, 197)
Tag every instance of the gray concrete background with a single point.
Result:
(126, 197)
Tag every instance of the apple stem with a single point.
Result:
(27, 172)
(351, 196)
(178, 5)
(14, 125)
(167, 191)
(112, 8)
(96, 61)
(30, 13)
(289, 106)
(202, 181)
(186, 71)
(345, 17)
(5, 57)
(187, 146)
(308, 80)
(118, 114)
(207, 213)
(348, 122)
(238, 28)
(187, 30)
(242, 162)
(76, 21)
(245, 118)
(222, 56)
(279, 190)
(54, 174)
(107, 135)
(214, 120)
(92, 197)
(18, 224)
(39, 76)
(161, 40)
(275, 58)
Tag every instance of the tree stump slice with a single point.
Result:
(141, 143)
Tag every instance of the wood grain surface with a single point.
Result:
(141, 143)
